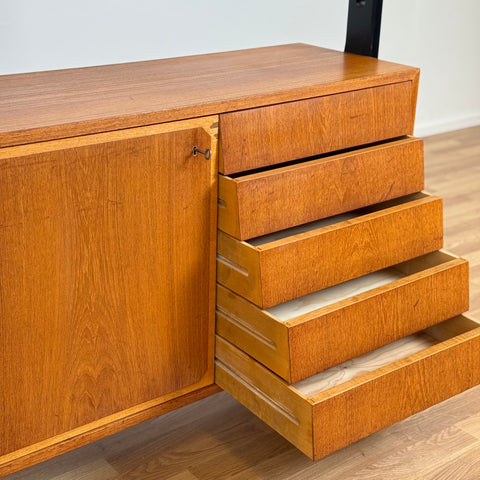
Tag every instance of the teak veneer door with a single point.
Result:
(107, 273)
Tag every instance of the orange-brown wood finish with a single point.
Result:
(220, 439)
(48, 105)
(435, 288)
(60, 444)
(275, 134)
(107, 245)
(399, 391)
(261, 203)
(319, 424)
(288, 268)
(107, 278)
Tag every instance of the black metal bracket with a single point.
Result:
(363, 27)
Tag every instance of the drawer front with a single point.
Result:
(422, 292)
(274, 134)
(261, 203)
(288, 268)
(320, 423)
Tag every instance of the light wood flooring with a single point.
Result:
(217, 438)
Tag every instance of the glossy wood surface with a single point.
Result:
(44, 451)
(371, 400)
(275, 134)
(296, 265)
(435, 288)
(316, 385)
(396, 391)
(218, 438)
(261, 203)
(101, 256)
(47, 105)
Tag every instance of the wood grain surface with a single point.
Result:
(436, 288)
(374, 398)
(217, 438)
(365, 364)
(396, 391)
(261, 203)
(74, 439)
(275, 134)
(378, 317)
(300, 264)
(253, 330)
(107, 279)
(58, 104)
(265, 394)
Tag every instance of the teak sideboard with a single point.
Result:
(277, 189)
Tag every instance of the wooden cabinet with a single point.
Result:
(107, 275)
(337, 315)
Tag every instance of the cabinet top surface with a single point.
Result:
(57, 104)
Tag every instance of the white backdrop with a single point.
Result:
(439, 36)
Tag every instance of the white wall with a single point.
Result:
(440, 37)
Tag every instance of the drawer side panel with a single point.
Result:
(253, 330)
(275, 403)
(238, 267)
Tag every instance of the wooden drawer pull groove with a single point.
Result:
(233, 265)
(272, 403)
(239, 323)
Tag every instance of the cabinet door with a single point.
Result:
(107, 271)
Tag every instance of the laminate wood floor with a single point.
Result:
(217, 438)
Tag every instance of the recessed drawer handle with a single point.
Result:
(246, 327)
(235, 266)
(207, 152)
(280, 408)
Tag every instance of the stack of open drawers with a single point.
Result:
(337, 315)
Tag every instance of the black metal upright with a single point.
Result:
(363, 27)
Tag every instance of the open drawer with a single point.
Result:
(346, 403)
(260, 203)
(273, 134)
(285, 265)
(302, 337)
